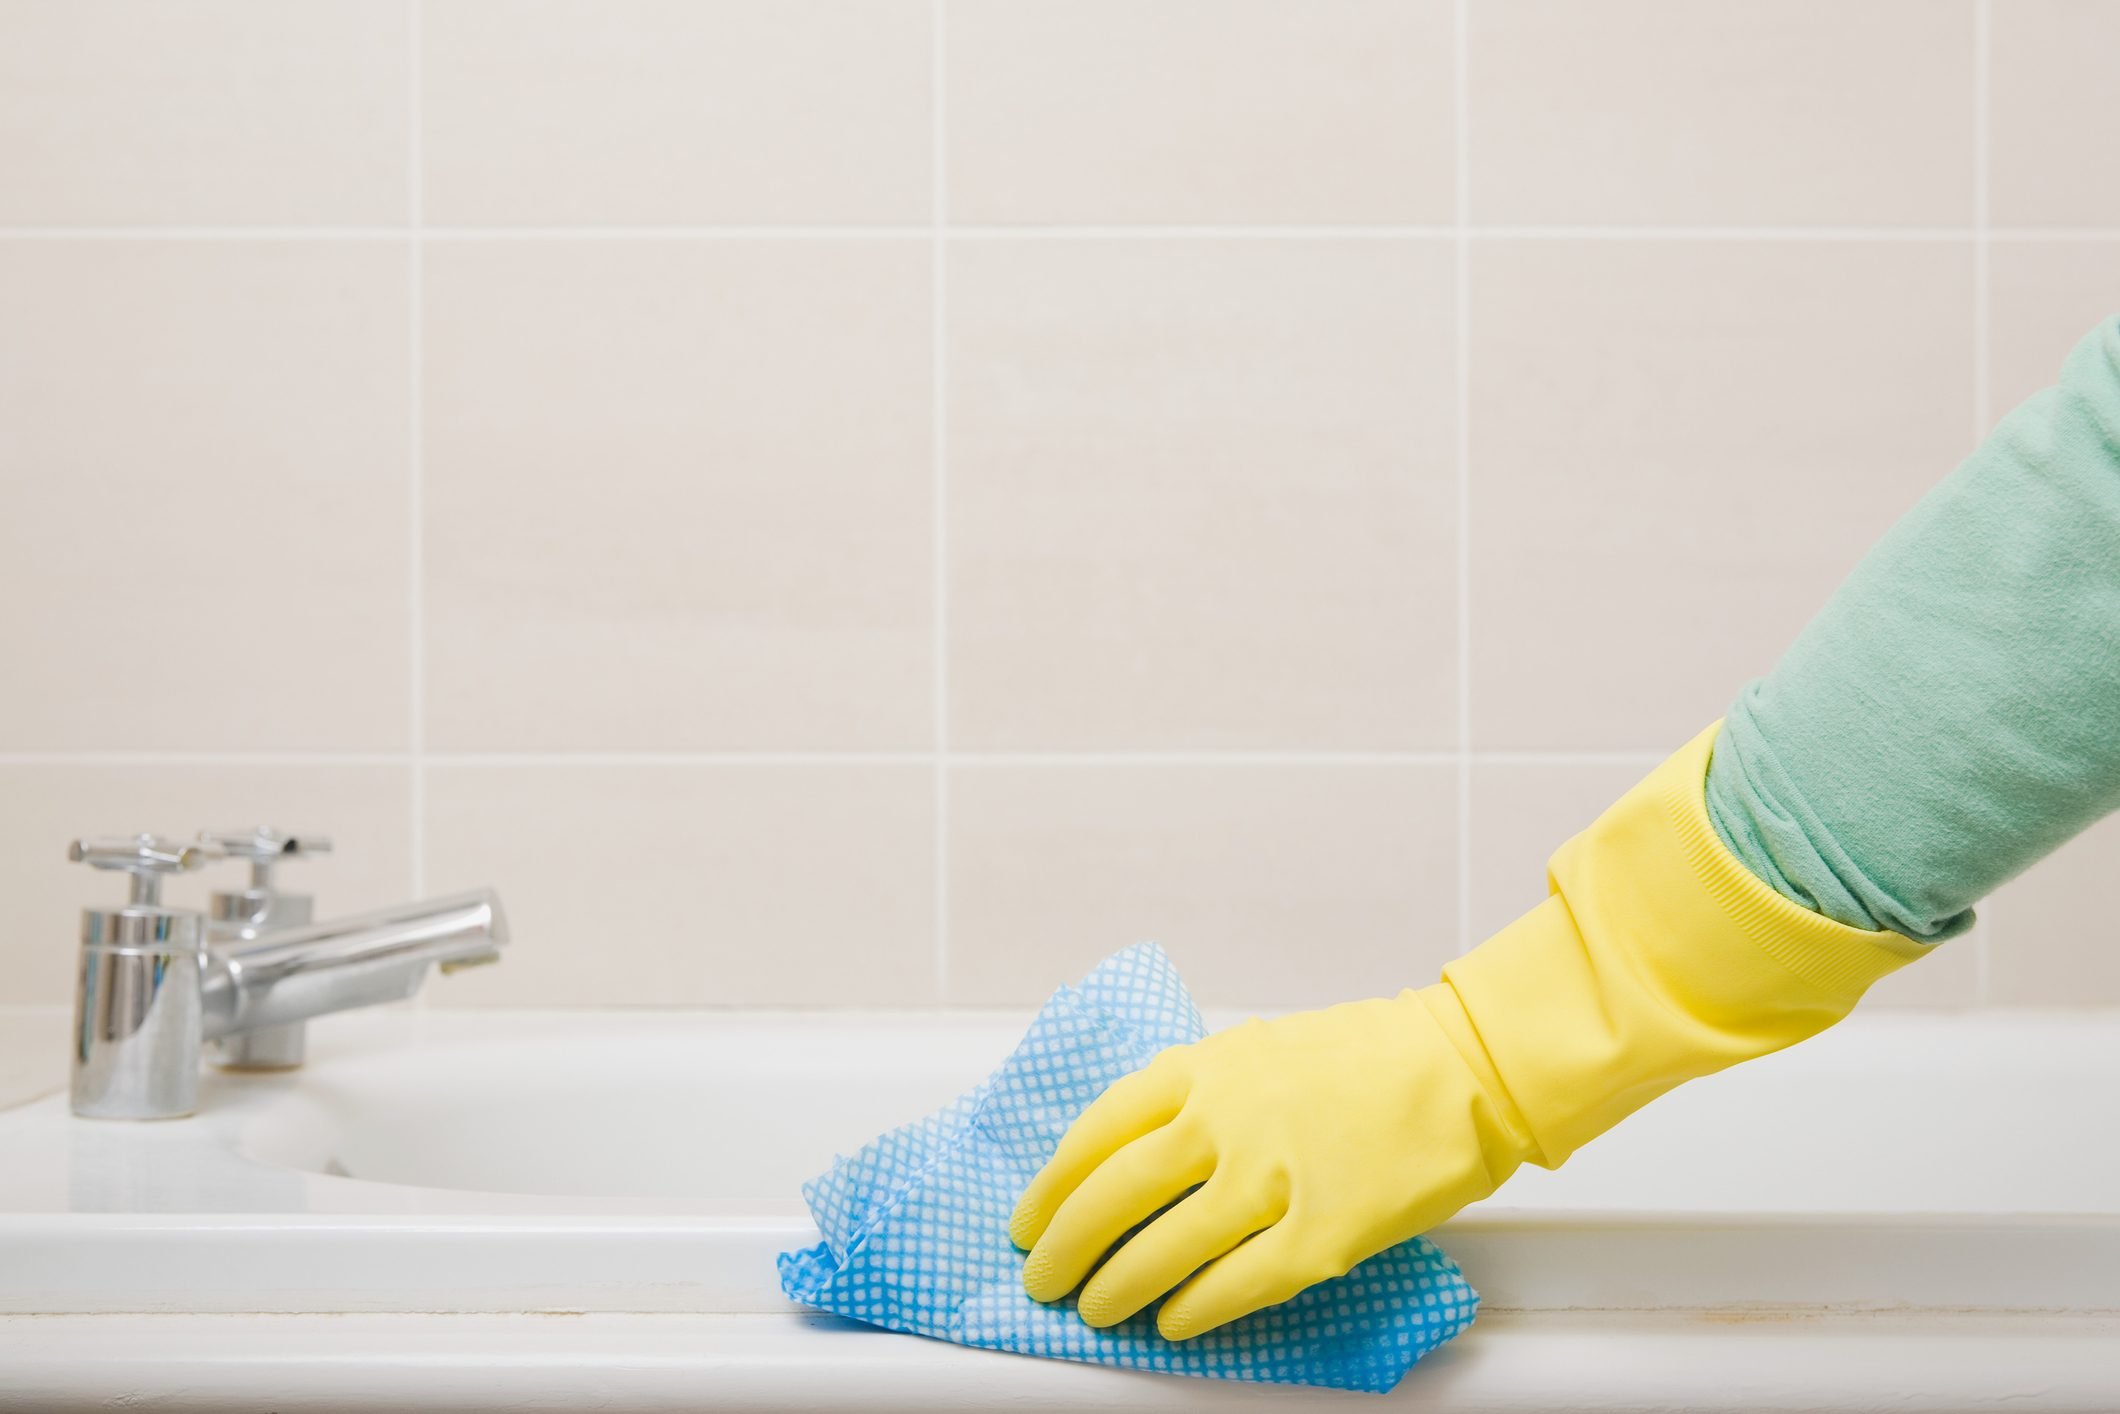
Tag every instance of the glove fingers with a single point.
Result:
(1173, 1247)
(1126, 1189)
(1130, 1107)
(1277, 1264)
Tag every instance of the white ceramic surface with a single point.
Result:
(1566, 1363)
(499, 1165)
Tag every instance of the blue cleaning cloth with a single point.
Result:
(915, 1225)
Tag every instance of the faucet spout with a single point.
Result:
(291, 974)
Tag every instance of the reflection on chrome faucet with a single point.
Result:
(269, 967)
(291, 974)
(156, 983)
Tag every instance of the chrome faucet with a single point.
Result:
(237, 919)
(137, 1013)
(157, 983)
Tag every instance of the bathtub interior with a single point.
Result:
(1888, 1114)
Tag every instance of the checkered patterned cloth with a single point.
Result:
(915, 1225)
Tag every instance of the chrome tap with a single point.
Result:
(137, 1024)
(157, 983)
(237, 918)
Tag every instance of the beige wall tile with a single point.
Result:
(2056, 942)
(1201, 494)
(694, 886)
(365, 810)
(634, 112)
(1679, 449)
(206, 539)
(210, 112)
(678, 495)
(1274, 886)
(1520, 815)
(2046, 296)
(1201, 110)
(1722, 111)
(2051, 135)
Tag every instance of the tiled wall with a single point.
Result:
(828, 501)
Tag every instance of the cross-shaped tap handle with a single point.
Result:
(264, 847)
(145, 857)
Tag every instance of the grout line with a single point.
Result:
(531, 760)
(1983, 304)
(2037, 234)
(1570, 758)
(203, 233)
(938, 374)
(1927, 234)
(1983, 323)
(1106, 232)
(972, 760)
(1462, 188)
(927, 232)
(915, 232)
(417, 493)
(975, 760)
(919, 232)
(202, 758)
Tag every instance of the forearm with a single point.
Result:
(1953, 714)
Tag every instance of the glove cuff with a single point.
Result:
(1658, 958)
(1841, 962)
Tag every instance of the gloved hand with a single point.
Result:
(1321, 1138)
(1331, 1134)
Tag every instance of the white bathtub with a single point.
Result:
(502, 1211)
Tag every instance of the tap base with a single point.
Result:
(266, 1048)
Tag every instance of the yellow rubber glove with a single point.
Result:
(1321, 1138)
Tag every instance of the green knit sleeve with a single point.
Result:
(1953, 713)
